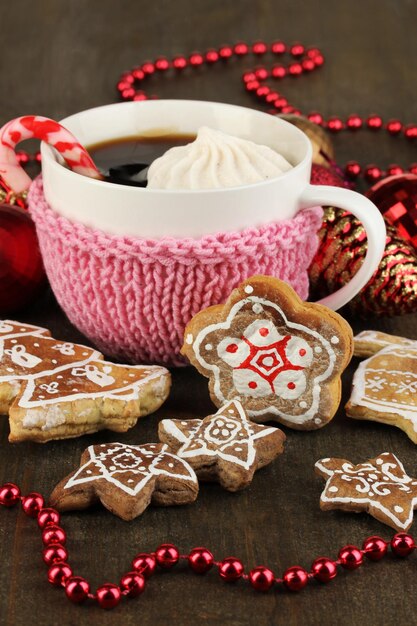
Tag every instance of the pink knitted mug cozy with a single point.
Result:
(133, 297)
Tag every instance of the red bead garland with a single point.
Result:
(200, 560)
(304, 60)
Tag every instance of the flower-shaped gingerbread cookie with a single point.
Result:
(280, 357)
(379, 487)
(126, 478)
(225, 447)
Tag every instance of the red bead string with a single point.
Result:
(304, 60)
(200, 560)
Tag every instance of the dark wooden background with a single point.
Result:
(59, 57)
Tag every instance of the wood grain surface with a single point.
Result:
(58, 57)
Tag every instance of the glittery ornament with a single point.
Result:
(323, 151)
(393, 288)
(396, 198)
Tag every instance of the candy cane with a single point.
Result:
(37, 127)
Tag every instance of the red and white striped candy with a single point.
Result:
(37, 127)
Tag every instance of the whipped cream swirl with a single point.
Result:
(215, 160)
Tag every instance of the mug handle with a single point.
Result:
(373, 222)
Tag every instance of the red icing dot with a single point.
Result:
(252, 384)
(301, 352)
(263, 332)
(232, 348)
(291, 385)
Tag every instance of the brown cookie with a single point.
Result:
(54, 389)
(282, 358)
(126, 479)
(369, 342)
(384, 389)
(225, 447)
(379, 487)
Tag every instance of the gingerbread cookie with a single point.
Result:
(126, 479)
(225, 447)
(54, 389)
(369, 342)
(384, 389)
(379, 487)
(282, 358)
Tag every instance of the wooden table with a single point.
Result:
(60, 57)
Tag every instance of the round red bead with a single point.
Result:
(297, 49)
(53, 534)
(372, 173)
(374, 122)
(280, 103)
(272, 96)
(402, 544)
(138, 73)
(394, 170)
(248, 77)
(167, 555)
(22, 157)
(32, 504)
(161, 64)
(9, 494)
(127, 94)
(354, 122)
(108, 596)
(350, 557)
(252, 85)
(312, 53)
(128, 77)
(212, 56)
(413, 169)
(352, 169)
(144, 564)
(261, 578)
(295, 578)
(324, 569)
(231, 569)
(139, 96)
(316, 118)
(295, 69)
(262, 91)
(132, 584)
(259, 47)
(200, 560)
(54, 552)
(241, 48)
(318, 60)
(38, 157)
(77, 589)
(261, 73)
(48, 516)
(287, 109)
(225, 52)
(308, 65)
(278, 71)
(410, 131)
(196, 59)
(278, 47)
(179, 62)
(375, 548)
(148, 68)
(58, 573)
(394, 127)
(335, 124)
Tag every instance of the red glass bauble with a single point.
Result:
(53, 534)
(58, 573)
(133, 584)
(9, 494)
(21, 268)
(402, 544)
(48, 516)
(231, 569)
(324, 569)
(375, 548)
(396, 198)
(108, 596)
(295, 578)
(144, 564)
(167, 555)
(53, 553)
(261, 578)
(350, 557)
(77, 589)
(32, 504)
(200, 560)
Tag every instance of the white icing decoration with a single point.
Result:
(21, 357)
(335, 340)
(268, 408)
(257, 308)
(233, 351)
(383, 482)
(64, 348)
(208, 346)
(248, 289)
(189, 339)
(101, 378)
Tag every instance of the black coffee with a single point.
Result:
(125, 161)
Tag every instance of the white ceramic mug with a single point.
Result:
(152, 213)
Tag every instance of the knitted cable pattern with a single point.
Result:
(133, 297)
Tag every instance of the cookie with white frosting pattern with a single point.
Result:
(379, 487)
(225, 447)
(384, 389)
(369, 342)
(282, 358)
(54, 389)
(126, 479)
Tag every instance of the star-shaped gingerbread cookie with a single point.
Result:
(379, 487)
(126, 479)
(282, 358)
(224, 447)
